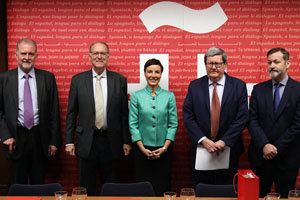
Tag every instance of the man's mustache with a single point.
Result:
(27, 61)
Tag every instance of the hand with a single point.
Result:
(11, 143)
(70, 150)
(126, 148)
(220, 145)
(269, 151)
(209, 145)
(158, 152)
(52, 150)
(148, 153)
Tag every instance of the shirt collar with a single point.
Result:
(220, 82)
(283, 82)
(149, 91)
(21, 74)
(103, 73)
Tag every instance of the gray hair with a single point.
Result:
(214, 51)
(106, 45)
(26, 40)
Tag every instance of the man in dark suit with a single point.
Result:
(29, 116)
(215, 112)
(274, 126)
(99, 98)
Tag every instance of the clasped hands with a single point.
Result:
(212, 146)
(153, 155)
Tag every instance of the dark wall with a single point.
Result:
(4, 165)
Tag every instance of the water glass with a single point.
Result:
(79, 193)
(170, 195)
(60, 195)
(272, 196)
(294, 195)
(187, 194)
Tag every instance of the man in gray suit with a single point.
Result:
(99, 98)
(29, 116)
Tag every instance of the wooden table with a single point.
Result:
(141, 198)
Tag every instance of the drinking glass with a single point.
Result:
(61, 195)
(170, 195)
(187, 194)
(294, 195)
(272, 196)
(79, 193)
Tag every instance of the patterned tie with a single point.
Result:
(215, 113)
(276, 96)
(28, 108)
(99, 121)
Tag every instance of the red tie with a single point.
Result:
(215, 113)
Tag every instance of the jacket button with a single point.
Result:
(153, 116)
(153, 98)
(153, 125)
(153, 107)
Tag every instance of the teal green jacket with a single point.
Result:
(152, 119)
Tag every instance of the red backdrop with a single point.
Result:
(64, 30)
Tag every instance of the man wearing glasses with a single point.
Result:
(215, 112)
(99, 98)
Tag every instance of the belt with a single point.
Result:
(100, 132)
(23, 127)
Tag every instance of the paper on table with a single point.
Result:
(211, 161)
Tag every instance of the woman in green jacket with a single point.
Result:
(153, 125)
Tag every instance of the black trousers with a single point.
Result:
(30, 164)
(100, 157)
(157, 172)
(219, 177)
(268, 173)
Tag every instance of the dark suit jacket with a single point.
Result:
(82, 104)
(281, 129)
(233, 116)
(49, 117)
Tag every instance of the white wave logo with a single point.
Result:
(182, 17)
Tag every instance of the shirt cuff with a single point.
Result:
(201, 139)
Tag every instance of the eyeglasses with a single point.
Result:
(102, 54)
(217, 65)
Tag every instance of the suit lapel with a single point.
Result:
(269, 99)
(287, 91)
(89, 87)
(227, 90)
(40, 84)
(15, 88)
(110, 86)
(204, 92)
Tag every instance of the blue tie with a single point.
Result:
(276, 96)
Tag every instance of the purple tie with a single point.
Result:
(28, 108)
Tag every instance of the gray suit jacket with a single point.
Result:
(81, 113)
(48, 109)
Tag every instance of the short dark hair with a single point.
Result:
(153, 61)
(286, 54)
(214, 51)
(106, 45)
(26, 40)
